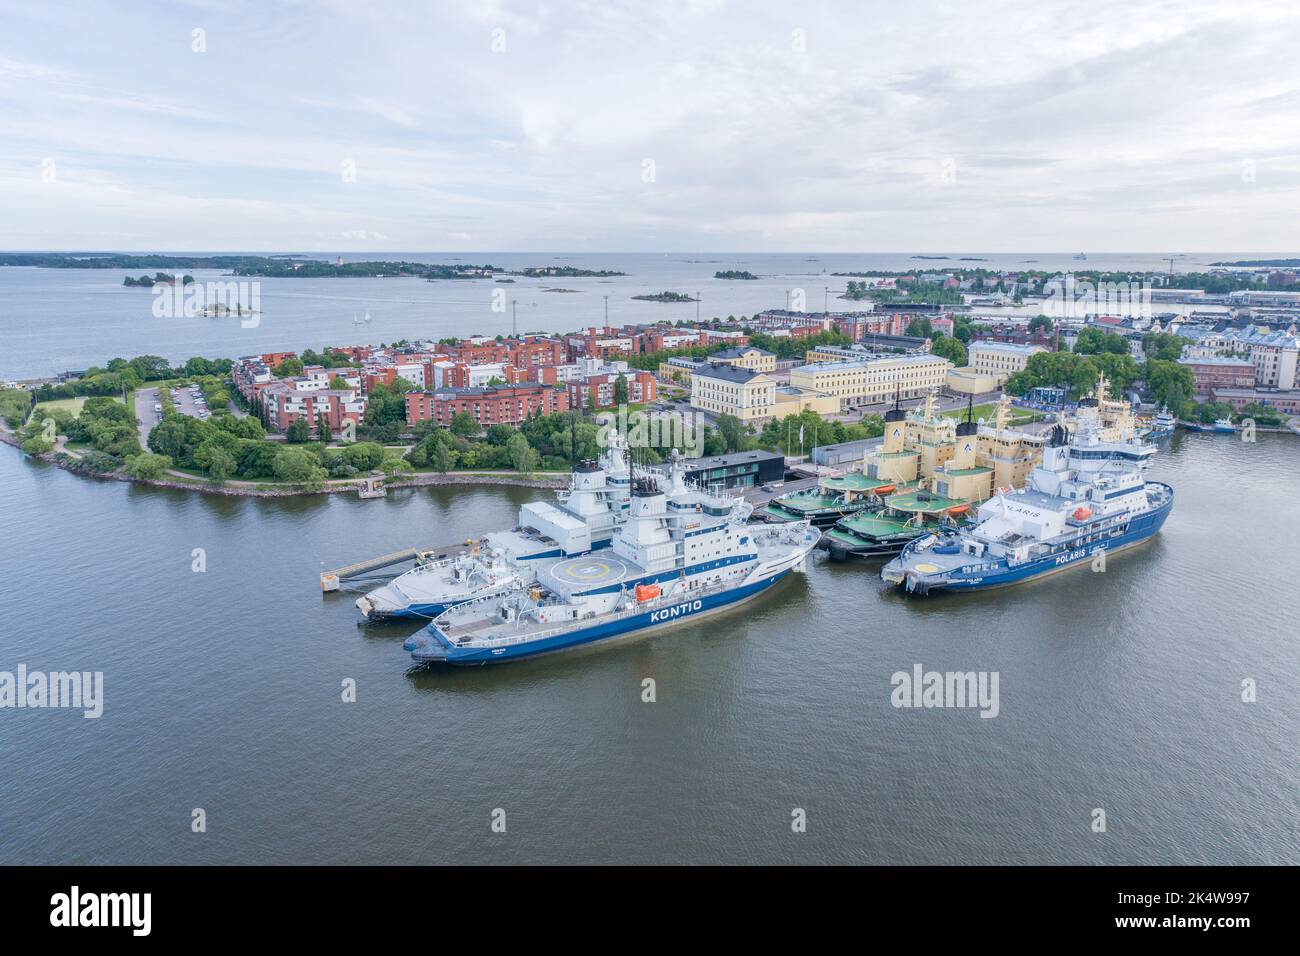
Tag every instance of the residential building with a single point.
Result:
(508, 404)
(642, 388)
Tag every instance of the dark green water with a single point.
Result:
(1118, 690)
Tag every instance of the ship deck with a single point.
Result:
(923, 502)
(873, 526)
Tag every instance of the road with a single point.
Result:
(145, 400)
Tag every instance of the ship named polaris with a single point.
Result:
(1087, 499)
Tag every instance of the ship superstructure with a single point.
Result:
(681, 552)
(1088, 497)
(581, 520)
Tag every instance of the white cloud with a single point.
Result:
(992, 125)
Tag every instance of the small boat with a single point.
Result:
(1222, 426)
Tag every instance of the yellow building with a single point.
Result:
(874, 380)
(792, 401)
(968, 381)
(724, 389)
(964, 461)
(679, 368)
(747, 356)
(1000, 358)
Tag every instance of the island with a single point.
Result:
(158, 278)
(1261, 263)
(289, 266)
(566, 272)
(666, 297)
(734, 274)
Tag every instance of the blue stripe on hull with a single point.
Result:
(591, 635)
(1140, 529)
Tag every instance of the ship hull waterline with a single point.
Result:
(637, 625)
(916, 585)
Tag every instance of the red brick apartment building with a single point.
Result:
(285, 405)
(1209, 374)
(641, 387)
(599, 343)
(500, 404)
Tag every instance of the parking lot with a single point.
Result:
(189, 402)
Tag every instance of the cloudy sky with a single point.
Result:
(675, 126)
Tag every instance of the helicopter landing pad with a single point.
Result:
(587, 571)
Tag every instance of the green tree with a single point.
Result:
(148, 465)
(920, 326)
(464, 425)
(441, 457)
(298, 431)
(298, 465)
(522, 455)
(221, 464)
(951, 349)
(620, 390)
(1040, 322)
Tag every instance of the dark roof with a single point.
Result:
(727, 372)
(738, 458)
(736, 351)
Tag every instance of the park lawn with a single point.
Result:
(68, 404)
(74, 404)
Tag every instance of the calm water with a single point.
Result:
(1118, 690)
(58, 319)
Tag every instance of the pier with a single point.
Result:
(332, 580)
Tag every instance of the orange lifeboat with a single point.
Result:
(958, 510)
(646, 592)
(884, 490)
(1082, 514)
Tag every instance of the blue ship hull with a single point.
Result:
(439, 650)
(1140, 529)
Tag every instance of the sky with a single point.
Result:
(603, 126)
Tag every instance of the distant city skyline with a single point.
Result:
(369, 129)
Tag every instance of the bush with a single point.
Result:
(36, 445)
(95, 463)
(148, 465)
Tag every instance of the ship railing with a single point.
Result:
(617, 615)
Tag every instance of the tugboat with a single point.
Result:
(682, 553)
(1088, 498)
(1162, 426)
(833, 498)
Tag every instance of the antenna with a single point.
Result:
(970, 406)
